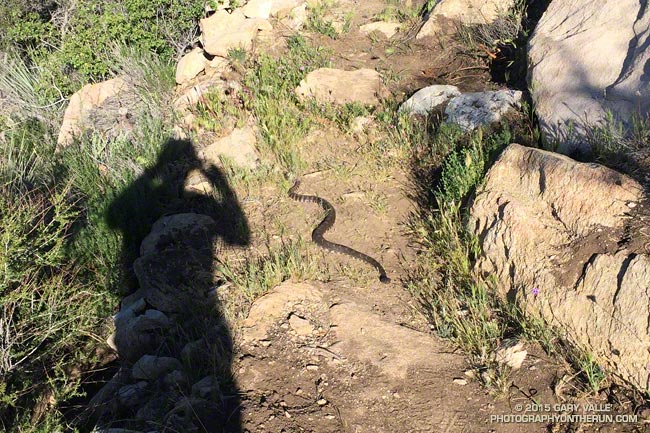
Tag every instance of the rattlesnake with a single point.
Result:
(326, 224)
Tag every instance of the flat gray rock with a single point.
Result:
(428, 98)
(472, 110)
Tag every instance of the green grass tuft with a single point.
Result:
(270, 96)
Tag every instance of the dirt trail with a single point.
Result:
(352, 354)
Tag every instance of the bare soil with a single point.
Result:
(357, 356)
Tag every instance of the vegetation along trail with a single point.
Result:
(159, 275)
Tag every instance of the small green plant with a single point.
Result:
(342, 115)
(256, 276)
(270, 85)
(378, 202)
(459, 306)
(50, 312)
(397, 11)
(593, 372)
(614, 143)
(217, 112)
(237, 55)
(317, 21)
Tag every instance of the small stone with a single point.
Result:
(127, 314)
(340, 87)
(300, 326)
(207, 388)
(512, 354)
(190, 65)
(426, 99)
(176, 379)
(471, 110)
(151, 367)
(460, 381)
(131, 395)
(312, 367)
(321, 402)
(194, 351)
(111, 342)
(238, 146)
(388, 29)
(130, 299)
(360, 123)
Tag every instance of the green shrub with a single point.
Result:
(74, 51)
(48, 314)
(459, 306)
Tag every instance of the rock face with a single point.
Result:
(588, 57)
(190, 65)
(341, 87)
(83, 103)
(551, 231)
(428, 98)
(463, 11)
(472, 110)
(223, 31)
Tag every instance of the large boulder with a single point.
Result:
(341, 87)
(554, 233)
(83, 103)
(174, 270)
(589, 57)
(466, 12)
(224, 31)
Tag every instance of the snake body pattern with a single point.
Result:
(328, 222)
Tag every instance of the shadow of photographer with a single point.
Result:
(174, 345)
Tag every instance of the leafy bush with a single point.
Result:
(47, 312)
(60, 261)
(69, 40)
